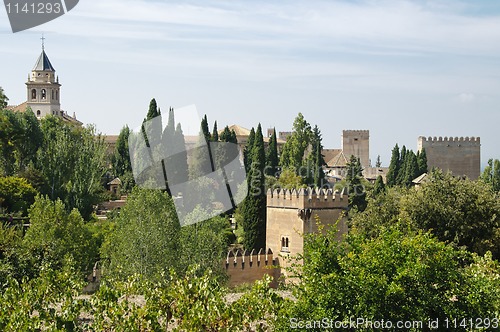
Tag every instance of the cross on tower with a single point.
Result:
(43, 42)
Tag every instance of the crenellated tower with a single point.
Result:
(357, 143)
(292, 213)
(460, 155)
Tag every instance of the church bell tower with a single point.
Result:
(44, 88)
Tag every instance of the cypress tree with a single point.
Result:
(215, 133)
(318, 161)
(153, 111)
(180, 157)
(379, 186)
(272, 155)
(357, 193)
(403, 162)
(393, 171)
(247, 154)
(204, 129)
(121, 156)
(411, 168)
(422, 162)
(254, 206)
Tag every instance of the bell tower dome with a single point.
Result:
(43, 88)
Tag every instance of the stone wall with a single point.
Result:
(245, 267)
(461, 156)
(357, 143)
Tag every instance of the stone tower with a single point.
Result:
(292, 213)
(357, 143)
(43, 88)
(461, 156)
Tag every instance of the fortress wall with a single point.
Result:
(460, 155)
(243, 267)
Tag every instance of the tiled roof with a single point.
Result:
(43, 63)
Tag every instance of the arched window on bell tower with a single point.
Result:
(33, 94)
(38, 113)
(44, 94)
(52, 94)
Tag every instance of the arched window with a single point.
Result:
(286, 243)
(44, 94)
(52, 94)
(33, 94)
(57, 95)
(38, 113)
(282, 242)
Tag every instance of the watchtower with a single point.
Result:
(357, 143)
(461, 156)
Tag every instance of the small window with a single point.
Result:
(284, 244)
(57, 95)
(52, 94)
(33, 94)
(38, 113)
(355, 139)
(44, 94)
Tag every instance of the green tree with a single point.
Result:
(146, 236)
(393, 172)
(153, 110)
(379, 186)
(272, 155)
(403, 164)
(30, 141)
(290, 180)
(205, 130)
(422, 162)
(253, 209)
(247, 153)
(462, 212)
(354, 176)
(295, 147)
(121, 156)
(16, 194)
(204, 243)
(72, 161)
(215, 133)
(491, 174)
(411, 168)
(395, 277)
(55, 235)
(378, 163)
(3, 99)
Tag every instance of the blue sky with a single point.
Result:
(398, 68)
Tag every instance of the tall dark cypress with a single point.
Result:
(272, 155)
(215, 133)
(254, 206)
(403, 162)
(422, 162)
(247, 154)
(393, 171)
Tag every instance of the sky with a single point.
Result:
(400, 69)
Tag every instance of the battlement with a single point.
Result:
(449, 139)
(245, 266)
(356, 133)
(303, 198)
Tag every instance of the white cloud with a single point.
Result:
(466, 97)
